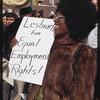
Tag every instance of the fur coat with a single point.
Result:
(65, 80)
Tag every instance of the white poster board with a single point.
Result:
(29, 57)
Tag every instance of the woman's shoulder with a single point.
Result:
(87, 51)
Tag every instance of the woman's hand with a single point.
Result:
(13, 43)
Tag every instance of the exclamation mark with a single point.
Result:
(40, 69)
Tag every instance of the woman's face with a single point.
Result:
(4, 21)
(60, 25)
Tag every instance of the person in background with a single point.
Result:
(92, 37)
(10, 18)
(7, 88)
(71, 69)
(39, 14)
(4, 24)
(10, 34)
(92, 41)
(4, 20)
(7, 19)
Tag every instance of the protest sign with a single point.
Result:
(29, 57)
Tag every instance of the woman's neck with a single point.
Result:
(62, 37)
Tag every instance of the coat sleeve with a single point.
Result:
(84, 75)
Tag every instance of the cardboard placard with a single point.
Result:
(29, 57)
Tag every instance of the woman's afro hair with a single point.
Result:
(80, 16)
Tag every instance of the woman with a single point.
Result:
(71, 68)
